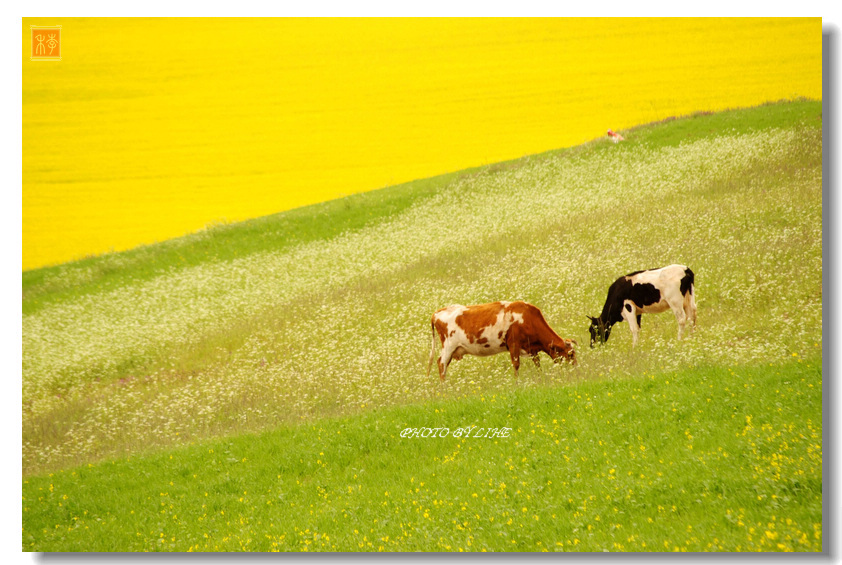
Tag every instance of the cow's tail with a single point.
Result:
(432, 345)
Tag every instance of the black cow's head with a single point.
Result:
(599, 331)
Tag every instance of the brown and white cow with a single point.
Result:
(488, 329)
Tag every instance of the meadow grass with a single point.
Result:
(161, 354)
(703, 459)
(340, 325)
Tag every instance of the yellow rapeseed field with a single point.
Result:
(149, 129)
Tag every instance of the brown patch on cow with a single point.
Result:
(520, 307)
(534, 334)
(475, 319)
(441, 329)
(482, 340)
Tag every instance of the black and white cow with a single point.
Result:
(646, 292)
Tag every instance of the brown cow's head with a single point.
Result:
(564, 351)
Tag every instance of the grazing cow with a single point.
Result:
(646, 292)
(488, 329)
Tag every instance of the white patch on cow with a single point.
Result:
(630, 316)
(667, 280)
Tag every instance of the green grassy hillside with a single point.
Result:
(315, 323)
(706, 459)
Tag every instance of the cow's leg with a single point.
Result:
(512, 341)
(680, 317)
(444, 359)
(631, 318)
(690, 309)
(514, 353)
(516, 362)
(536, 360)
